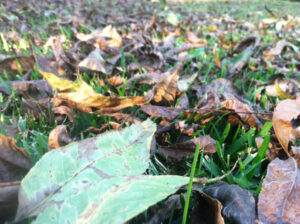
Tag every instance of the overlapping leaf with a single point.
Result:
(90, 181)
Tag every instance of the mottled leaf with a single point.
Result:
(90, 181)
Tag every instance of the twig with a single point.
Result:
(207, 181)
(10, 184)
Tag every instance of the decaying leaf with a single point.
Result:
(167, 88)
(279, 199)
(185, 149)
(17, 64)
(245, 112)
(82, 96)
(207, 209)
(36, 89)
(14, 164)
(284, 113)
(94, 62)
(284, 88)
(238, 204)
(159, 111)
(59, 137)
(9, 130)
(61, 112)
(275, 51)
(116, 80)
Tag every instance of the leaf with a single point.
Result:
(279, 199)
(207, 209)
(180, 151)
(82, 96)
(284, 113)
(160, 111)
(275, 51)
(184, 84)
(36, 89)
(238, 204)
(244, 111)
(14, 164)
(94, 62)
(167, 88)
(59, 137)
(17, 64)
(91, 180)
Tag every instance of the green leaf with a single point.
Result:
(97, 180)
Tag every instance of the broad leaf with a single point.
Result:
(90, 181)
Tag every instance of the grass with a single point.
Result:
(233, 142)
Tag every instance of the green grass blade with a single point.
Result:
(189, 191)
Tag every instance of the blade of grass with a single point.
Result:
(189, 191)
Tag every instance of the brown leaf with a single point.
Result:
(279, 199)
(159, 111)
(191, 37)
(14, 164)
(62, 60)
(275, 51)
(102, 38)
(183, 101)
(59, 137)
(185, 149)
(207, 209)
(36, 89)
(10, 130)
(167, 87)
(238, 204)
(14, 64)
(37, 108)
(242, 109)
(94, 62)
(284, 113)
(116, 80)
(82, 96)
(62, 111)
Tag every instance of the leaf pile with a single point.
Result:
(72, 71)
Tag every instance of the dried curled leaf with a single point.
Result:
(59, 137)
(238, 204)
(279, 199)
(284, 113)
(82, 96)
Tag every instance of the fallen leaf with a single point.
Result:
(94, 62)
(275, 51)
(82, 96)
(160, 111)
(59, 137)
(17, 64)
(244, 111)
(9, 130)
(279, 199)
(14, 164)
(185, 149)
(116, 80)
(36, 89)
(207, 209)
(113, 163)
(167, 87)
(238, 204)
(284, 113)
